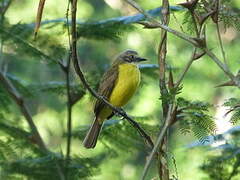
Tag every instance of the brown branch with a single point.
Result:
(80, 74)
(16, 96)
(161, 61)
(159, 140)
(162, 52)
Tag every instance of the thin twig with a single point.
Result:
(197, 31)
(69, 115)
(156, 24)
(79, 72)
(66, 70)
(186, 68)
(1, 56)
(219, 34)
(220, 64)
(159, 140)
(220, 42)
(68, 28)
(162, 51)
(16, 96)
(180, 26)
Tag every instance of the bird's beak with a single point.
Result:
(139, 59)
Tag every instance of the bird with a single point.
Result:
(117, 86)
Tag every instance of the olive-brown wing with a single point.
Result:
(106, 87)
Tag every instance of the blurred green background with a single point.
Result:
(49, 109)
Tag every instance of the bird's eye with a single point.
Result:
(132, 57)
(129, 58)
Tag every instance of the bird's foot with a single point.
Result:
(120, 112)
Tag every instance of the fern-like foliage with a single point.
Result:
(229, 16)
(14, 132)
(194, 117)
(110, 31)
(234, 108)
(170, 96)
(235, 117)
(188, 22)
(20, 158)
(117, 135)
(5, 101)
(122, 135)
(225, 162)
(19, 37)
(226, 14)
(20, 85)
(45, 167)
(55, 87)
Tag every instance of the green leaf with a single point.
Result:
(193, 118)
(235, 117)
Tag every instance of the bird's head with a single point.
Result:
(128, 56)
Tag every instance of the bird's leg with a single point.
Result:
(103, 98)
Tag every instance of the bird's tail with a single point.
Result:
(90, 140)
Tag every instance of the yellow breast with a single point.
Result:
(126, 84)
